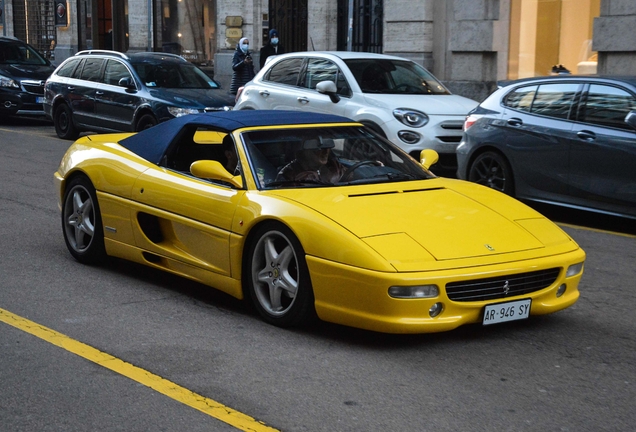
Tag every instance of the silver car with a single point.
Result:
(395, 97)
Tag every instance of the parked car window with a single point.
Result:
(91, 69)
(521, 98)
(394, 77)
(115, 71)
(319, 70)
(67, 69)
(18, 53)
(608, 106)
(554, 100)
(286, 71)
(172, 75)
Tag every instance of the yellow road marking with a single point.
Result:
(155, 382)
(596, 230)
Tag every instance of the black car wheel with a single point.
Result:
(277, 277)
(493, 170)
(63, 120)
(146, 121)
(82, 223)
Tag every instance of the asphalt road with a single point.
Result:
(102, 334)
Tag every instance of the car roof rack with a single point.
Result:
(104, 52)
(163, 54)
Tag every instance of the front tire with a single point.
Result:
(82, 222)
(493, 170)
(277, 277)
(146, 121)
(63, 121)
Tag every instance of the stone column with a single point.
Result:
(614, 37)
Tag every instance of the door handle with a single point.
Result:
(303, 100)
(71, 88)
(263, 93)
(515, 121)
(99, 93)
(586, 135)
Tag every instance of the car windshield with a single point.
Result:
(180, 75)
(394, 77)
(326, 157)
(17, 53)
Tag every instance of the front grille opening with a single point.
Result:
(501, 286)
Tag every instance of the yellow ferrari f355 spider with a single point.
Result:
(309, 215)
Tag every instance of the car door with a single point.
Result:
(183, 217)
(603, 157)
(115, 104)
(308, 98)
(279, 86)
(537, 128)
(81, 91)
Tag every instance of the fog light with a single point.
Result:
(561, 290)
(409, 137)
(419, 291)
(574, 269)
(435, 310)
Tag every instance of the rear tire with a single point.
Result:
(63, 121)
(82, 222)
(493, 170)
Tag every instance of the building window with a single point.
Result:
(548, 33)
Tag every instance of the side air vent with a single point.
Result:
(150, 227)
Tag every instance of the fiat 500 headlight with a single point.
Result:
(410, 117)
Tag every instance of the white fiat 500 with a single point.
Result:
(396, 97)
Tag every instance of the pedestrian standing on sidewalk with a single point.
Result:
(242, 65)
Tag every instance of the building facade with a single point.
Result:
(468, 44)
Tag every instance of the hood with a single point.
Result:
(429, 104)
(426, 221)
(25, 71)
(193, 98)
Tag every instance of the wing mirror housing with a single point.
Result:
(213, 170)
(128, 83)
(329, 88)
(428, 158)
(630, 119)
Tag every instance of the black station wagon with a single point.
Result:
(107, 91)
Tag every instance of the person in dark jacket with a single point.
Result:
(273, 47)
(242, 66)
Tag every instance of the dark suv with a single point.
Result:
(107, 91)
(23, 72)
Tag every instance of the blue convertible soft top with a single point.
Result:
(151, 144)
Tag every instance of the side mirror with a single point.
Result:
(128, 83)
(213, 170)
(630, 119)
(428, 158)
(329, 88)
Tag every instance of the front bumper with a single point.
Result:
(359, 298)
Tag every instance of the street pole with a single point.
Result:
(350, 29)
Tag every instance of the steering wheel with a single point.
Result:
(348, 173)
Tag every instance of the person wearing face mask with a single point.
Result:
(242, 65)
(273, 47)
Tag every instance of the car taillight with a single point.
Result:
(470, 120)
(238, 94)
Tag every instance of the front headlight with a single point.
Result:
(414, 292)
(574, 269)
(410, 117)
(178, 112)
(8, 82)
